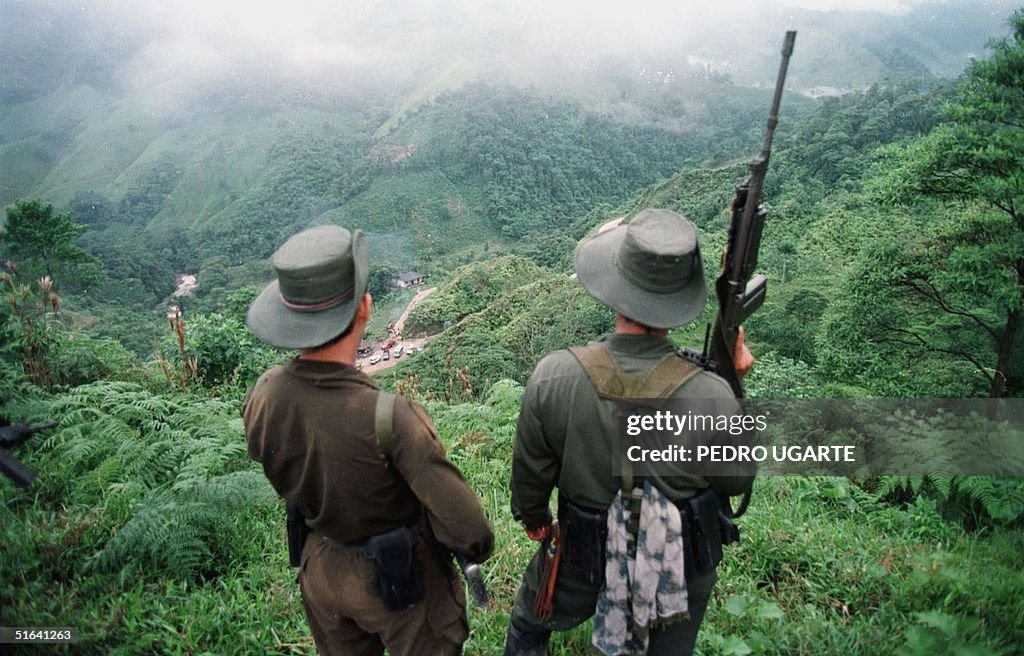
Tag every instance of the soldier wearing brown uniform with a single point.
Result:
(313, 424)
(649, 271)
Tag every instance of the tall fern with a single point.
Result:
(168, 474)
(974, 499)
(184, 532)
(943, 452)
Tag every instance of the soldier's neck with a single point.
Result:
(626, 326)
(342, 351)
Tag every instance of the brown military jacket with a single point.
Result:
(311, 425)
(565, 436)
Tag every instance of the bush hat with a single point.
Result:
(649, 269)
(321, 278)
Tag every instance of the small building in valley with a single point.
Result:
(409, 279)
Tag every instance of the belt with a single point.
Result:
(342, 546)
(360, 545)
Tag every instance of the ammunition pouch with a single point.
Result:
(584, 533)
(399, 572)
(297, 532)
(701, 522)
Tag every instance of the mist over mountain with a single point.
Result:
(171, 50)
(202, 127)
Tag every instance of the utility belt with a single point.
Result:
(397, 569)
(584, 533)
(399, 573)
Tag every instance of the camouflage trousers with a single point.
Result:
(347, 616)
(575, 602)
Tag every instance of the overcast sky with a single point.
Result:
(213, 34)
(173, 43)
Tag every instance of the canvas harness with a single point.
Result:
(625, 389)
(384, 422)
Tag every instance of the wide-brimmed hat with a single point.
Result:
(321, 278)
(649, 269)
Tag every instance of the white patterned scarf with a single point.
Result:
(651, 589)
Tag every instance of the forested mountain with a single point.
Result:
(120, 122)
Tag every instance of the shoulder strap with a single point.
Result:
(384, 421)
(614, 384)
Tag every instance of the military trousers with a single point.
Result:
(575, 602)
(346, 614)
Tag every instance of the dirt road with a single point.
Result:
(409, 344)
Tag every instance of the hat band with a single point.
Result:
(337, 299)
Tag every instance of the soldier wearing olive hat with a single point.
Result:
(650, 272)
(366, 468)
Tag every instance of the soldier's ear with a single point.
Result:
(365, 307)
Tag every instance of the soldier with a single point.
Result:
(384, 505)
(649, 271)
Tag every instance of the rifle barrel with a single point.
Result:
(759, 167)
(773, 116)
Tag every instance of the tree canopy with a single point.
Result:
(970, 268)
(43, 242)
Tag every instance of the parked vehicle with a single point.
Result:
(375, 358)
(386, 356)
(397, 353)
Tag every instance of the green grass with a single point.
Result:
(823, 567)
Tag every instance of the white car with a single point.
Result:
(375, 358)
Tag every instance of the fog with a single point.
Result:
(325, 47)
(402, 40)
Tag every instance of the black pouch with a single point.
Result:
(727, 528)
(399, 572)
(705, 531)
(584, 533)
(297, 532)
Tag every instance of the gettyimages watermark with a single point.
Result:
(835, 437)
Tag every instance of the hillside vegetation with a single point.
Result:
(894, 248)
(150, 530)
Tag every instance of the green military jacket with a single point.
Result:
(565, 436)
(311, 425)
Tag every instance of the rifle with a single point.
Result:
(11, 434)
(740, 293)
(19, 474)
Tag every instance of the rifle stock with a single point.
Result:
(21, 475)
(474, 580)
(11, 434)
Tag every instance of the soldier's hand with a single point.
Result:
(742, 358)
(540, 533)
